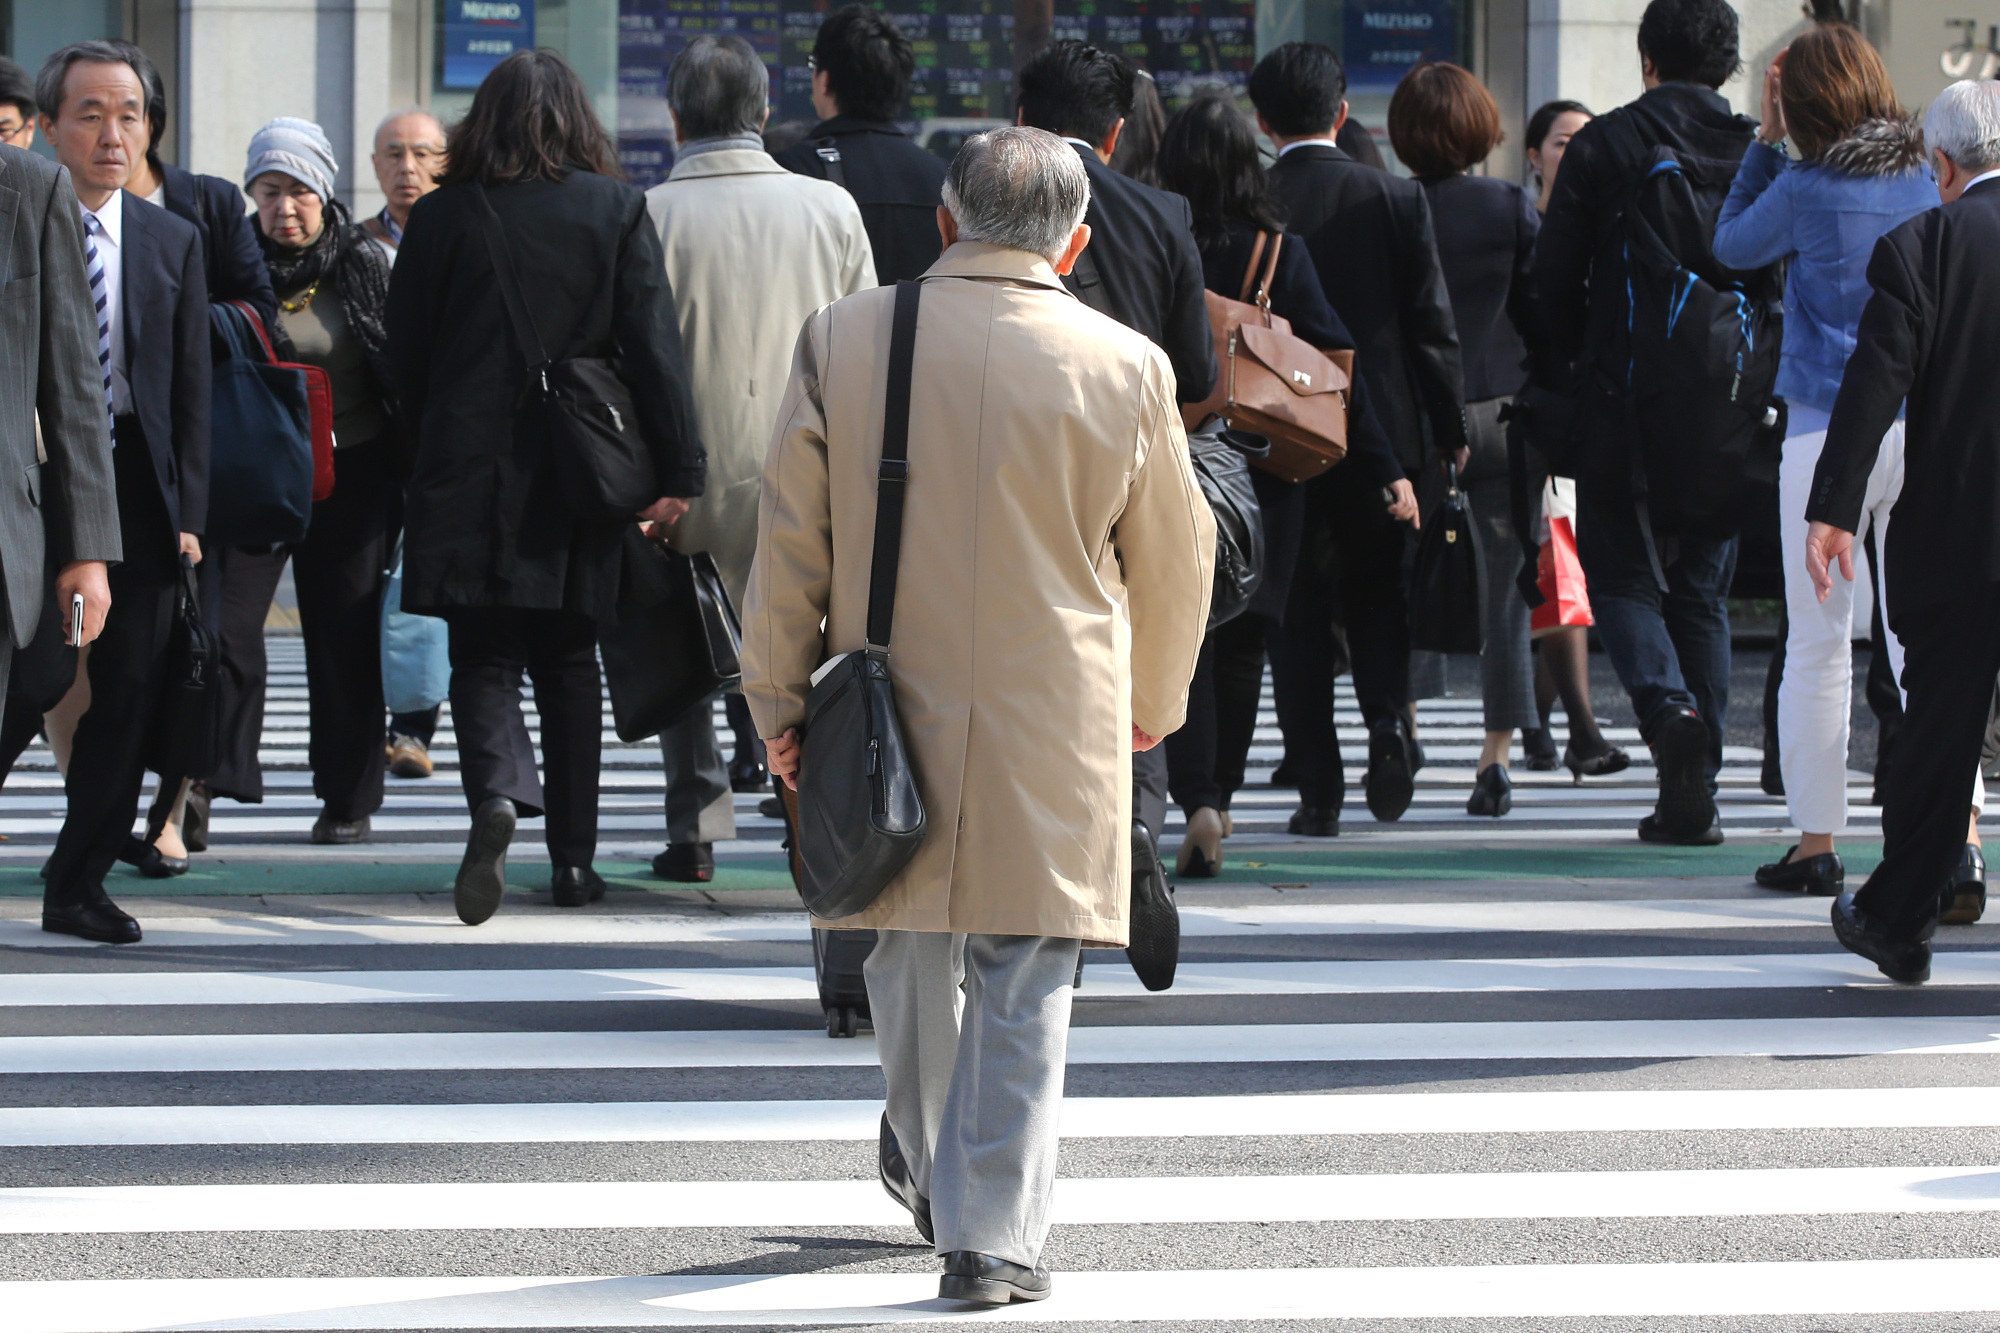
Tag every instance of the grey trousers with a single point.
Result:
(976, 1077)
(699, 805)
(1149, 791)
(1506, 663)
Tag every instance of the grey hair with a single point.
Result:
(400, 112)
(1018, 187)
(1964, 124)
(55, 70)
(718, 85)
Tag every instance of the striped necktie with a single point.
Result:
(100, 298)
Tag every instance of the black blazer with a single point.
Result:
(486, 524)
(1485, 229)
(164, 300)
(1928, 334)
(897, 184)
(1143, 251)
(1369, 234)
(230, 257)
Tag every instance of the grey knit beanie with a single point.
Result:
(298, 148)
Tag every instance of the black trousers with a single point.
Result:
(107, 764)
(1951, 653)
(1350, 573)
(237, 586)
(491, 647)
(1207, 756)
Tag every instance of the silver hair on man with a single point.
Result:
(718, 85)
(1964, 124)
(1018, 187)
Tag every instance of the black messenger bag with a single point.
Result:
(861, 817)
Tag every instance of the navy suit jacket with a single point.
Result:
(231, 259)
(164, 302)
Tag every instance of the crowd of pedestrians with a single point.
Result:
(1591, 369)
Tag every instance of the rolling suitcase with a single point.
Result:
(837, 954)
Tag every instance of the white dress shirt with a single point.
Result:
(1301, 143)
(109, 240)
(1982, 176)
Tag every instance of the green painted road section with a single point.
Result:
(1283, 866)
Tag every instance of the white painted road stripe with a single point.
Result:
(1082, 1117)
(1206, 1044)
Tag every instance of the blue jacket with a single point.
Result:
(1824, 217)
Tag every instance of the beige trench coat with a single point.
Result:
(752, 250)
(1057, 561)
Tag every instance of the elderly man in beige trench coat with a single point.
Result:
(1056, 566)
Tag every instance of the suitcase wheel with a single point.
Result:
(840, 1020)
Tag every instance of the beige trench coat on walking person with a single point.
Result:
(752, 250)
(1057, 561)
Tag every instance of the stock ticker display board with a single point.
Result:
(964, 49)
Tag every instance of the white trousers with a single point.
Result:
(1816, 695)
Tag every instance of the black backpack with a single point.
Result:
(1703, 346)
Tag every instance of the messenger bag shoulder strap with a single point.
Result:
(518, 314)
(893, 476)
(827, 150)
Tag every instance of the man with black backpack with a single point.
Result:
(1678, 357)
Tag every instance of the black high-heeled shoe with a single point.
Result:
(1538, 749)
(1611, 760)
(1492, 794)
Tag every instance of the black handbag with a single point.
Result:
(861, 817)
(676, 642)
(260, 458)
(187, 725)
(1222, 460)
(1445, 607)
(601, 462)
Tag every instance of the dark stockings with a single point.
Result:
(1562, 669)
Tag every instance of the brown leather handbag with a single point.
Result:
(1273, 382)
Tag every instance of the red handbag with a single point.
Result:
(1565, 598)
(319, 399)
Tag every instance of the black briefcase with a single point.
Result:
(676, 642)
(1445, 606)
(187, 724)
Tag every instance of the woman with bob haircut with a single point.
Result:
(1860, 173)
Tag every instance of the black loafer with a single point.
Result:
(330, 832)
(151, 861)
(981, 1279)
(482, 875)
(1905, 961)
(748, 775)
(1312, 821)
(1822, 876)
(100, 920)
(1492, 793)
(1652, 830)
(575, 886)
(771, 808)
(686, 863)
(1680, 754)
(895, 1173)
(1964, 898)
(1155, 950)
(1391, 770)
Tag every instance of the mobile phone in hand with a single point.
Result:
(76, 620)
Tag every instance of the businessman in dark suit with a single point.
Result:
(1926, 339)
(145, 271)
(1369, 234)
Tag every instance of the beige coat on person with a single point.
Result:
(752, 250)
(1057, 560)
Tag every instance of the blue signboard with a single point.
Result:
(479, 34)
(1385, 37)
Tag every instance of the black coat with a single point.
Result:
(164, 303)
(230, 257)
(897, 183)
(1485, 229)
(1927, 335)
(1143, 250)
(1369, 234)
(486, 524)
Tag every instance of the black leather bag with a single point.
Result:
(676, 643)
(601, 461)
(861, 816)
(187, 726)
(1222, 460)
(1445, 608)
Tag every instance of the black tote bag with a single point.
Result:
(1222, 459)
(187, 726)
(677, 640)
(260, 459)
(1444, 587)
(861, 817)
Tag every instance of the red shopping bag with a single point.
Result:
(1565, 599)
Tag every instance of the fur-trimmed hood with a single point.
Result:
(1879, 148)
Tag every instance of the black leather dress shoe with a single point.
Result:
(576, 886)
(771, 808)
(330, 832)
(1538, 750)
(150, 860)
(981, 1279)
(482, 875)
(1312, 821)
(1392, 766)
(1906, 961)
(1680, 754)
(895, 1173)
(1964, 898)
(1155, 950)
(1652, 830)
(1492, 793)
(99, 920)
(686, 863)
(1823, 876)
(748, 775)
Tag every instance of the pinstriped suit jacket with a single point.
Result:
(67, 508)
